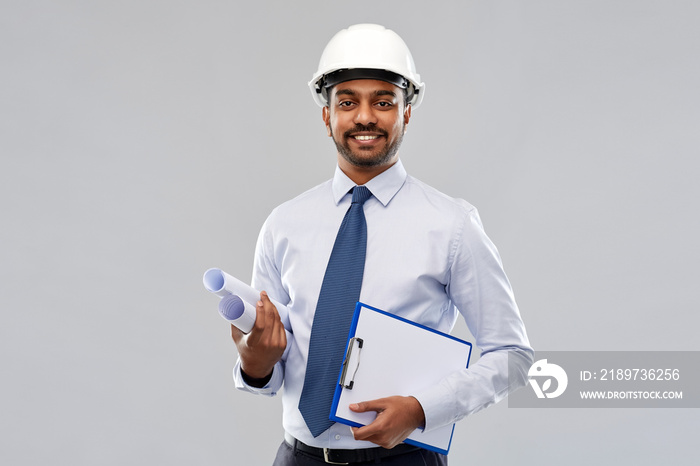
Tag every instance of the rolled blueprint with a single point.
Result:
(237, 312)
(237, 305)
(222, 284)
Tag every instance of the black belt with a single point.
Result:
(334, 456)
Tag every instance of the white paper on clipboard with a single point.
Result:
(388, 356)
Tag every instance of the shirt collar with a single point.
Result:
(383, 186)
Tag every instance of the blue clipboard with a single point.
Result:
(388, 355)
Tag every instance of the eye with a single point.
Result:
(384, 104)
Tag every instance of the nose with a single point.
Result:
(365, 114)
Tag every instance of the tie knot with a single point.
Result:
(360, 194)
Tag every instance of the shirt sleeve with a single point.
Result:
(272, 387)
(266, 277)
(479, 289)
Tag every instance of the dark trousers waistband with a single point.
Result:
(337, 456)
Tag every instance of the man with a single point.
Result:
(424, 255)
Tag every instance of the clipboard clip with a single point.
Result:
(346, 362)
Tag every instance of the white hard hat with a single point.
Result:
(366, 51)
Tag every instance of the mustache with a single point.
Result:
(368, 128)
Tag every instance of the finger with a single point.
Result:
(270, 309)
(373, 432)
(262, 316)
(273, 321)
(283, 332)
(277, 335)
(261, 323)
(379, 433)
(373, 405)
(363, 433)
(368, 431)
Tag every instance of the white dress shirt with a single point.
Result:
(428, 260)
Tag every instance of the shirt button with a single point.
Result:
(337, 437)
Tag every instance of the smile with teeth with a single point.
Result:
(365, 138)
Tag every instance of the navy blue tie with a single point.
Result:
(340, 291)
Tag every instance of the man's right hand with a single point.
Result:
(260, 349)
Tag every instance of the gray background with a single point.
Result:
(143, 142)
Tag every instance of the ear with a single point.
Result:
(326, 115)
(406, 115)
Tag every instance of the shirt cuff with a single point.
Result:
(272, 387)
(437, 406)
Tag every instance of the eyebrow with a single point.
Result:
(375, 93)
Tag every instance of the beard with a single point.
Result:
(366, 158)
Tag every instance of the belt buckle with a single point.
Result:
(326, 454)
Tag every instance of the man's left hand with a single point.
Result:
(397, 418)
